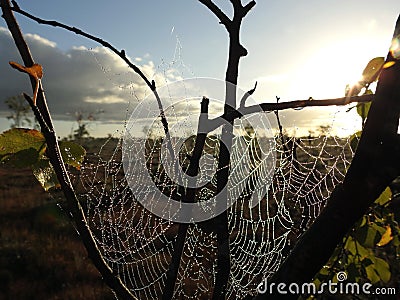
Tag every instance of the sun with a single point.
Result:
(329, 69)
(325, 74)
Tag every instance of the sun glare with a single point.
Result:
(327, 72)
(395, 48)
(331, 68)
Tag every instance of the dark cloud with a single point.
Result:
(79, 79)
(91, 80)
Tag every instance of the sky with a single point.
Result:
(297, 50)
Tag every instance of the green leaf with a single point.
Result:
(382, 269)
(363, 221)
(363, 109)
(396, 241)
(381, 229)
(361, 235)
(372, 237)
(325, 270)
(366, 262)
(368, 236)
(362, 251)
(23, 159)
(373, 69)
(372, 274)
(45, 174)
(354, 139)
(72, 153)
(368, 92)
(350, 245)
(384, 197)
(21, 147)
(355, 248)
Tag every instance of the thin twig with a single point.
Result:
(189, 197)
(246, 96)
(281, 135)
(267, 107)
(25, 54)
(244, 10)
(56, 160)
(375, 165)
(270, 107)
(38, 115)
(121, 53)
(220, 222)
(223, 18)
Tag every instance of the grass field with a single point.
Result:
(41, 255)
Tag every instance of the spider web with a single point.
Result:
(138, 245)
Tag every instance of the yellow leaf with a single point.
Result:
(389, 64)
(386, 237)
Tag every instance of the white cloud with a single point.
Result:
(4, 31)
(37, 38)
(105, 100)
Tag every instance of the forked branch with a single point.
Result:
(223, 18)
(121, 53)
(41, 112)
(241, 10)
(270, 107)
(375, 165)
(267, 107)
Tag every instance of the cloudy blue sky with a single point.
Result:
(297, 49)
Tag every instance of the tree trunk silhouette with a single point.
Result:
(375, 165)
(44, 118)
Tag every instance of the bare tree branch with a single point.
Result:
(25, 54)
(223, 18)
(120, 53)
(189, 197)
(377, 137)
(151, 84)
(269, 107)
(53, 150)
(375, 165)
(248, 7)
(246, 96)
(220, 222)
(241, 10)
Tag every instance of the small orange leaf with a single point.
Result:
(17, 66)
(386, 237)
(36, 70)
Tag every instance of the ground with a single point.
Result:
(41, 255)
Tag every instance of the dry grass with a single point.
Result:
(41, 256)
